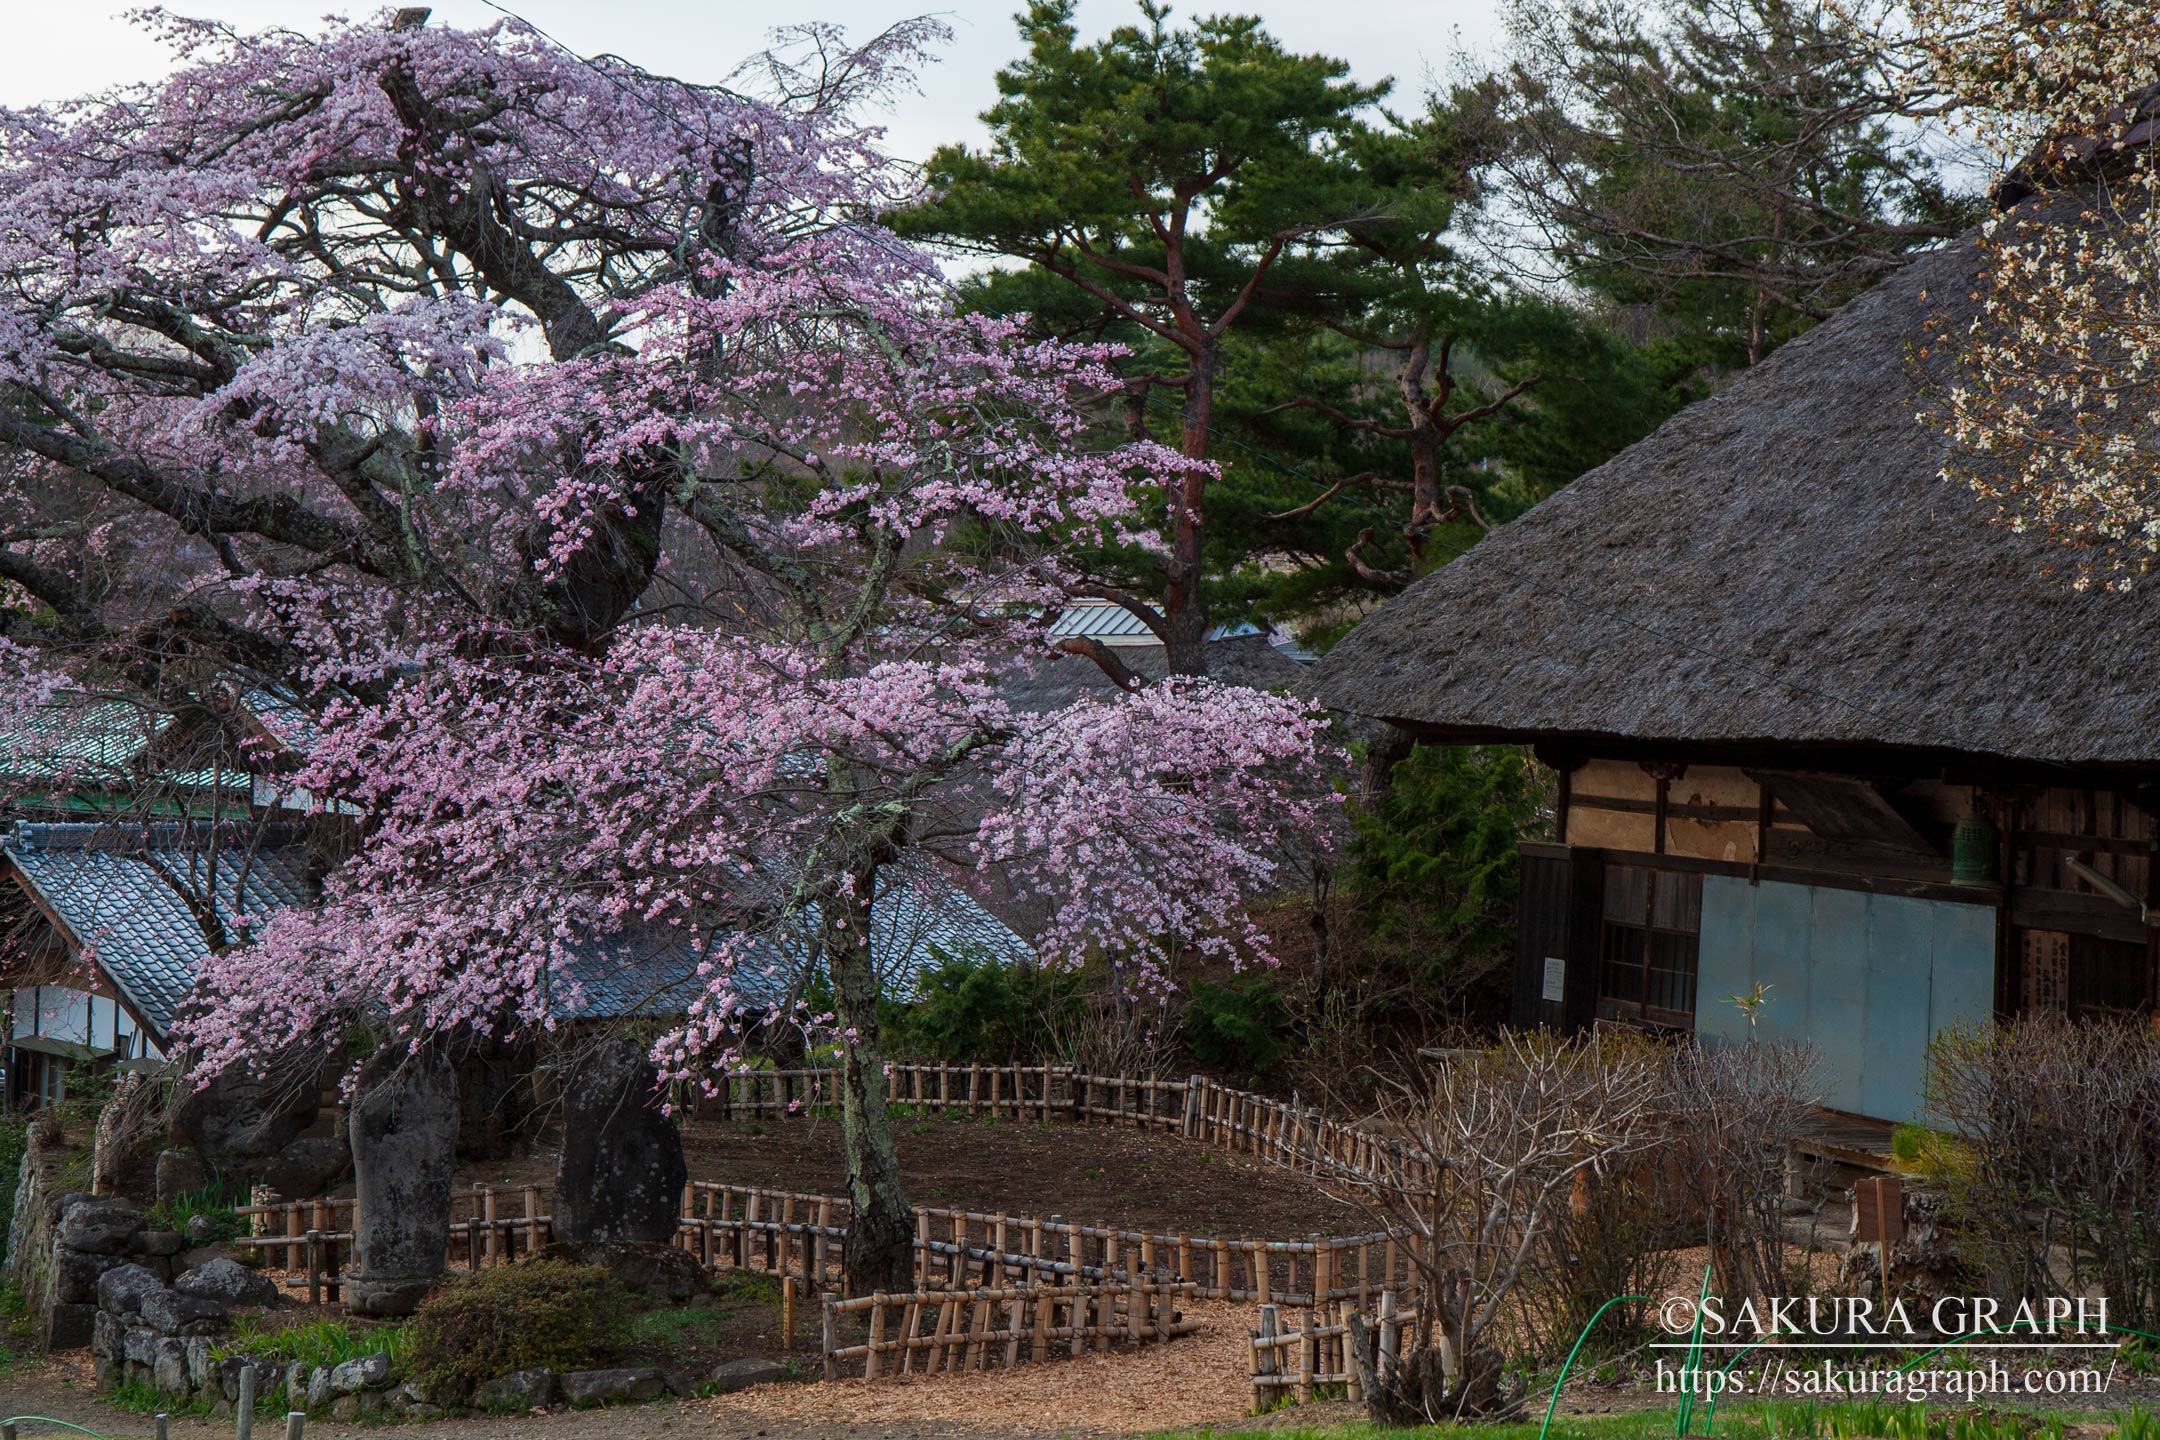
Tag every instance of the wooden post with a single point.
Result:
(830, 1336)
(487, 1216)
(1260, 1271)
(1267, 1357)
(293, 1227)
(295, 1422)
(244, 1417)
(787, 1311)
(1390, 1339)
(314, 1267)
(532, 1219)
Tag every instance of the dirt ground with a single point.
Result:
(1196, 1380)
(1094, 1174)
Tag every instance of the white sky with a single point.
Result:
(60, 48)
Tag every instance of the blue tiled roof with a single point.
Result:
(1114, 624)
(918, 920)
(120, 892)
(80, 739)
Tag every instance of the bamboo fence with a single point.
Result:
(1296, 1363)
(797, 1234)
(933, 1331)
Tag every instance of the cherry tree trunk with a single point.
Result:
(880, 1248)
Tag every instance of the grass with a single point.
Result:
(1891, 1420)
(316, 1342)
(682, 1333)
(137, 1398)
(18, 1332)
(216, 1200)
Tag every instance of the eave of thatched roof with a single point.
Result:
(1780, 565)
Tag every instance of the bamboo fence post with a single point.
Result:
(294, 1257)
(532, 1219)
(817, 1245)
(1308, 1347)
(829, 1338)
(487, 1213)
(1364, 1276)
(1015, 1310)
(877, 1336)
(1267, 1358)
(1105, 1315)
(314, 1263)
(787, 1311)
(1260, 1270)
(1222, 1269)
(1323, 1271)
(922, 1249)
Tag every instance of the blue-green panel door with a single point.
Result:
(1837, 992)
(1900, 969)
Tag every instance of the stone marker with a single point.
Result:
(404, 1139)
(622, 1171)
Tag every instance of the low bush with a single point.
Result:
(2048, 1187)
(1237, 1029)
(536, 1314)
(976, 1009)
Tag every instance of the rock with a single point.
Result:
(732, 1375)
(108, 1372)
(138, 1345)
(622, 1170)
(201, 1255)
(600, 1387)
(169, 1368)
(346, 1408)
(105, 1333)
(685, 1383)
(228, 1282)
(180, 1172)
(199, 1366)
(172, 1313)
(71, 1327)
(308, 1166)
(371, 1404)
(159, 1242)
(664, 1274)
(436, 1392)
(100, 1227)
(200, 1230)
(519, 1390)
(242, 1118)
(296, 1378)
(319, 1389)
(361, 1374)
(76, 1274)
(123, 1289)
(268, 1375)
(404, 1141)
(417, 1411)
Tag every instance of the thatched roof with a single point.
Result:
(1780, 564)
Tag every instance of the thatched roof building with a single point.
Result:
(1830, 738)
(1781, 565)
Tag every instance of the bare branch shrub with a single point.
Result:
(2052, 1182)
(1731, 1117)
(1492, 1145)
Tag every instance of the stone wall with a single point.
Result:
(38, 1196)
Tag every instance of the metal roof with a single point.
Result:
(122, 895)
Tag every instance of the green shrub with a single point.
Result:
(1238, 1028)
(14, 1140)
(970, 1009)
(536, 1314)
